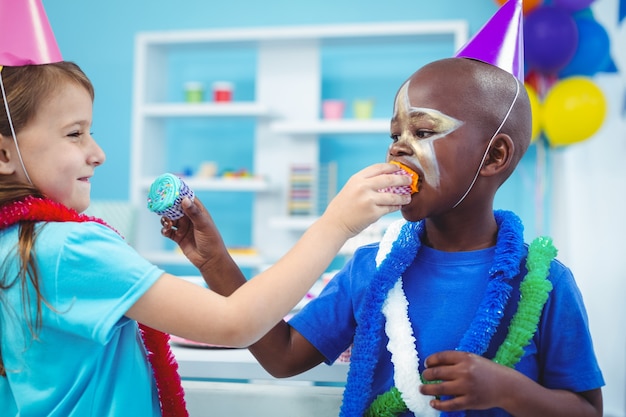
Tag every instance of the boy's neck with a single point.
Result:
(454, 234)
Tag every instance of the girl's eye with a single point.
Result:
(75, 134)
(394, 138)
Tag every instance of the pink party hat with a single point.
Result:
(500, 41)
(26, 37)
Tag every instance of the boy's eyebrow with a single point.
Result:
(439, 120)
(418, 114)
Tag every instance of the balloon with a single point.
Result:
(550, 38)
(573, 110)
(541, 83)
(528, 5)
(572, 5)
(535, 109)
(593, 52)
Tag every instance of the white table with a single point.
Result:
(239, 364)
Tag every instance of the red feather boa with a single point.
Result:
(164, 366)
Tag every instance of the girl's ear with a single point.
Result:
(499, 156)
(7, 156)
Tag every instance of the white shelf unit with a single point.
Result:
(288, 94)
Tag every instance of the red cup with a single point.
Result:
(222, 91)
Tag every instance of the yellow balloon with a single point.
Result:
(573, 110)
(535, 109)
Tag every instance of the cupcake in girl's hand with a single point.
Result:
(404, 189)
(166, 195)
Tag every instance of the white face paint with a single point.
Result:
(419, 128)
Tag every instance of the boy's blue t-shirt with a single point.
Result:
(87, 357)
(444, 290)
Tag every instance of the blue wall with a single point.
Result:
(99, 36)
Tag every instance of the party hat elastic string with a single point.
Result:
(26, 38)
(482, 161)
(6, 108)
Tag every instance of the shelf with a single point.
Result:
(319, 127)
(231, 109)
(294, 223)
(371, 234)
(366, 32)
(220, 184)
(282, 72)
(175, 258)
(301, 223)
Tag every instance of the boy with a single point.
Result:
(451, 311)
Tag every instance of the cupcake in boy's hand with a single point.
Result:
(404, 189)
(166, 195)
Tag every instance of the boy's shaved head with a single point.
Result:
(477, 94)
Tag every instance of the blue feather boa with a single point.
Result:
(367, 344)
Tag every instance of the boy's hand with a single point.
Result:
(196, 234)
(471, 382)
(468, 381)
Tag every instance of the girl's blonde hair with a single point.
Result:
(26, 88)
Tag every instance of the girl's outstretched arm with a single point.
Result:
(178, 307)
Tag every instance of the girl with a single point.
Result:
(72, 292)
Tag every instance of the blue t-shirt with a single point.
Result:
(444, 290)
(87, 358)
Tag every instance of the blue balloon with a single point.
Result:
(550, 39)
(593, 52)
(572, 5)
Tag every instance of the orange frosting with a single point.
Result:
(412, 173)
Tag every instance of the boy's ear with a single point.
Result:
(499, 156)
(7, 156)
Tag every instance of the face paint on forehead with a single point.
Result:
(431, 123)
(422, 118)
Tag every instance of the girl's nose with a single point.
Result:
(96, 154)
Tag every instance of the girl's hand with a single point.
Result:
(360, 203)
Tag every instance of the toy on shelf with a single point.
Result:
(301, 182)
